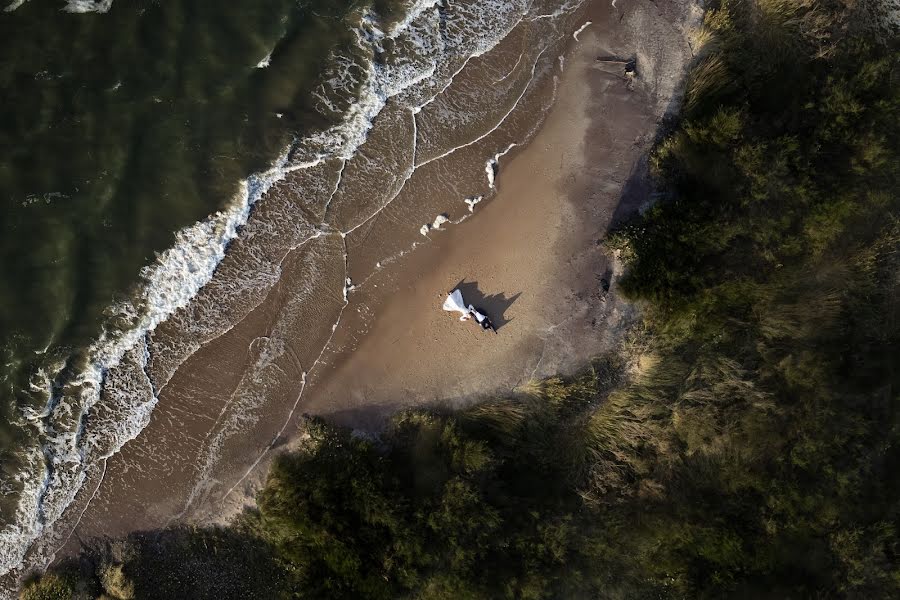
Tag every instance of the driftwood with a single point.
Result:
(629, 63)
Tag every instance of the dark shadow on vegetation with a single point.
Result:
(368, 417)
(197, 563)
(637, 194)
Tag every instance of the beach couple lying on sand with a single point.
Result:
(455, 303)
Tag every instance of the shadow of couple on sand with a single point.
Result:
(494, 305)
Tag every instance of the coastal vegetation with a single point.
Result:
(743, 442)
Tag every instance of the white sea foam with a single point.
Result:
(265, 62)
(564, 9)
(492, 165)
(434, 225)
(471, 202)
(514, 68)
(86, 6)
(583, 27)
(490, 169)
(41, 383)
(348, 287)
(14, 5)
(25, 526)
(414, 12)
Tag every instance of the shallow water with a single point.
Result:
(124, 128)
(117, 130)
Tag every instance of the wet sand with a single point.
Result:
(531, 255)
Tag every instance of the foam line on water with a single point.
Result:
(499, 123)
(14, 5)
(411, 15)
(492, 165)
(52, 555)
(565, 9)
(301, 243)
(337, 185)
(87, 6)
(443, 89)
(582, 28)
(407, 175)
(513, 70)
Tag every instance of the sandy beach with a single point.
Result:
(530, 254)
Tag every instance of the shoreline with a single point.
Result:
(532, 257)
(569, 200)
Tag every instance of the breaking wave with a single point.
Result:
(14, 5)
(88, 6)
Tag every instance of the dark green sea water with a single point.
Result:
(116, 130)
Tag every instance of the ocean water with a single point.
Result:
(162, 160)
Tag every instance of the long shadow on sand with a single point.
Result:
(495, 305)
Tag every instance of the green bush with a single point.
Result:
(53, 586)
